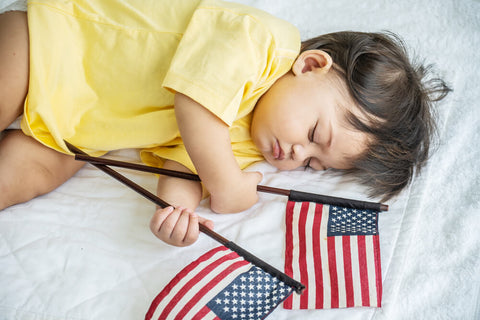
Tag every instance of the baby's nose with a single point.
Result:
(298, 152)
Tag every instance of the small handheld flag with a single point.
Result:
(335, 251)
(219, 285)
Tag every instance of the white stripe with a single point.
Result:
(215, 290)
(357, 286)
(342, 294)
(327, 301)
(309, 256)
(161, 306)
(296, 252)
(372, 286)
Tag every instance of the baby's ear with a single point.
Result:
(312, 60)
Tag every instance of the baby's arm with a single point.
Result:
(207, 141)
(178, 226)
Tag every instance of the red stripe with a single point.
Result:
(332, 266)
(347, 265)
(302, 222)
(317, 219)
(362, 261)
(211, 284)
(287, 304)
(197, 278)
(178, 278)
(378, 269)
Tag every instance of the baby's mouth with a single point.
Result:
(277, 151)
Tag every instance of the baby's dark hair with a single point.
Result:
(396, 101)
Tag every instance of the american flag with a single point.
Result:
(335, 252)
(219, 285)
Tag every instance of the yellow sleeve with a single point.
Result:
(226, 50)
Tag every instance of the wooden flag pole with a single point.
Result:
(292, 194)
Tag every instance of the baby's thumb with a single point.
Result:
(258, 176)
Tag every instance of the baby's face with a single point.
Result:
(301, 121)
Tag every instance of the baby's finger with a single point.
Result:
(158, 218)
(193, 229)
(259, 176)
(208, 223)
(180, 231)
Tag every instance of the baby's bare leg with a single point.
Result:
(27, 168)
(13, 65)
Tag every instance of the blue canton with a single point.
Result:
(351, 222)
(252, 295)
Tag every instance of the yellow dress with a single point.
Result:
(103, 73)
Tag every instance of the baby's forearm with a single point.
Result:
(179, 192)
(207, 141)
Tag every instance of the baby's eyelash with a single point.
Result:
(308, 164)
(312, 134)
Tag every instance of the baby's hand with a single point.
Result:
(239, 195)
(177, 226)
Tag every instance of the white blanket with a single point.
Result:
(85, 251)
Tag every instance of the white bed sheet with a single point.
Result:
(85, 251)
